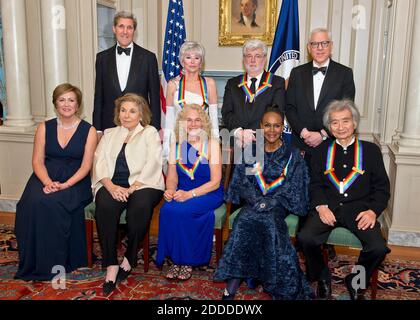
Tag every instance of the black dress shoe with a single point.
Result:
(355, 294)
(324, 289)
(108, 287)
(228, 296)
(122, 274)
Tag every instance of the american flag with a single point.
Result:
(174, 37)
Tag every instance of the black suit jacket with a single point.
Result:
(369, 191)
(300, 110)
(143, 79)
(236, 112)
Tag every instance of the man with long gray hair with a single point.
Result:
(349, 188)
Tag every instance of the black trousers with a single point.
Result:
(315, 233)
(139, 208)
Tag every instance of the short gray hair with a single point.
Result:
(191, 46)
(125, 15)
(319, 30)
(253, 44)
(340, 105)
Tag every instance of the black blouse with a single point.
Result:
(121, 172)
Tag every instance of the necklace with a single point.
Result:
(60, 124)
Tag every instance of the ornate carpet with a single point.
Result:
(398, 280)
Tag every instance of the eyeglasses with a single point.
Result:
(257, 56)
(315, 45)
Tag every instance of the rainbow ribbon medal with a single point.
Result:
(264, 85)
(356, 170)
(264, 186)
(203, 89)
(190, 171)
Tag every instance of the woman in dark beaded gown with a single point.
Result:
(259, 246)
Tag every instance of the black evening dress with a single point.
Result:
(50, 228)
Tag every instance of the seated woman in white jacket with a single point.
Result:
(190, 88)
(127, 175)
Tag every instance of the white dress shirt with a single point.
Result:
(123, 66)
(319, 80)
(345, 147)
(257, 83)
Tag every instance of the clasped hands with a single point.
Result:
(366, 219)
(244, 137)
(179, 195)
(122, 194)
(311, 138)
(55, 186)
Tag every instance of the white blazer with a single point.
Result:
(143, 154)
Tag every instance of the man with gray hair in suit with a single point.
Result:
(125, 68)
(247, 96)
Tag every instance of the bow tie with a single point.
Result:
(120, 50)
(315, 70)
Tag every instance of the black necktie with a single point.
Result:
(315, 70)
(253, 80)
(120, 50)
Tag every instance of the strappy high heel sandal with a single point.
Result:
(173, 272)
(185, 273)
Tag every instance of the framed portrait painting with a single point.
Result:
(240, 20)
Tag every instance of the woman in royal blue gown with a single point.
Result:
(259, 246)
(193, 192)
(50, 227)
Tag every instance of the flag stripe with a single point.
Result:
(174, 37)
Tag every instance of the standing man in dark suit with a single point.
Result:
(247, 96)
(125, 68)
(311, 87)
(349, 188)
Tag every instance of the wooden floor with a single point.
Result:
(397, 252)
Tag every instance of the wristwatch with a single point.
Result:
(324, 137)
(321, 205)
(193, 193)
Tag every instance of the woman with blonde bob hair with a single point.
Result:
(193, 192)
(127, 176)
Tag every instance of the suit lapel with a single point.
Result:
(241, 95)
(328, 82)
(112, 60)
(308, 80)
(134, 66)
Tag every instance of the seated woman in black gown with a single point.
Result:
(50, 225)
(128, 176)
(259, 246)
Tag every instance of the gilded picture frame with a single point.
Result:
(240, 20)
